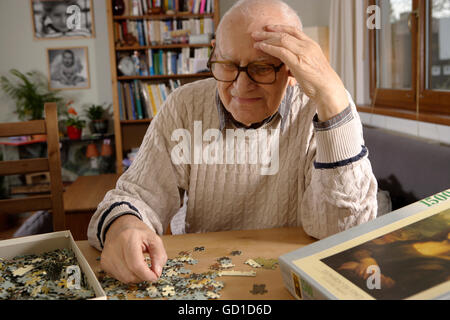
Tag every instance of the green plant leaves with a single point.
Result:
(30, 93)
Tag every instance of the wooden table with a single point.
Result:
(269, 243)
(81, 199)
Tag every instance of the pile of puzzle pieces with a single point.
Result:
(41, 277)
(179, 283)
(176, 282)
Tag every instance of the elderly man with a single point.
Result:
(273, 81)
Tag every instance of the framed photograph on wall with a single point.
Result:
(68, 68)
(62, 19)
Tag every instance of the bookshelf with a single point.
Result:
(130, 130)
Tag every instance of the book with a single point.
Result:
(197, 6)
(147, 107)
(161, 62)
(152, 100)
(158, 98)
(137, 95)
(133, 103)
(124, 29)
(190, 5)
(135, 8)
(162, 90)
(129, 110)
(151, 68)
(140, 31)
(202, 6)
(401, 255)
(144, 7)
(121, 101)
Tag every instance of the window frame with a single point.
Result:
(434, 105)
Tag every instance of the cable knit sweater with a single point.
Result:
(324, 181)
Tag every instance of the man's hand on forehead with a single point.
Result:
(261, 57)
(308, 64)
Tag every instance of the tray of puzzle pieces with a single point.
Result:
(47, 266)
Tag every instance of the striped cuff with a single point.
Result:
(115, 211)
(320, 165)
(341, 143)
(338, 120)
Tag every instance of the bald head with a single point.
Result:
(251, 15)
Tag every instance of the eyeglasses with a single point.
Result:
(228, 71)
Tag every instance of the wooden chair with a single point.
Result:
(52, 164)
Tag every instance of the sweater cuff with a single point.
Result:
(339, 144)
(115, 211)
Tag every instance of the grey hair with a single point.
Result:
(246, 8)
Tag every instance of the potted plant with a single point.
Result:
(99, 123)
(73, 123)
(30, 93)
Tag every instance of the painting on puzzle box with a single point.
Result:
(411, 259)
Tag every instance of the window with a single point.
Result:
(410, 60)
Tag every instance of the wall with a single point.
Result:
(312, 12)
(19, 50)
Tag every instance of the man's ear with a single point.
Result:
(291, 80)
(213, 42)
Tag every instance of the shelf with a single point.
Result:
(164, 46)
(10, 142)
(135, 121)
(93, 137)
(130, 133)
(166, 76)
(406, 114)
(164, 16)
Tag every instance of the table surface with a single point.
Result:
(87, 192)
(268, 243)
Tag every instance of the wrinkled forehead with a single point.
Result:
(234, 40)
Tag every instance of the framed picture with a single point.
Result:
(62, 19)
(68, 68)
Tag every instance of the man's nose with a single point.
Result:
(243, 81)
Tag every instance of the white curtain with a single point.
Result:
(343, 42)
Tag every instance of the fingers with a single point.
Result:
(293, 31)
(155, 249)
(280, 40)
(116, 268)
(283, 42)
(266, 35)
(123, 255)
(135, 261)
(285, 55)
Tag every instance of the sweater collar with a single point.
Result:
(283, 111)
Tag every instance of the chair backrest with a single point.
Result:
(51, 164)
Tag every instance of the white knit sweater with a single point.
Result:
(237, 196)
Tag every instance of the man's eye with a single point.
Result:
(261, 69)
(228, 66)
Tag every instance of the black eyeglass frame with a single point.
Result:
(240, 69)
